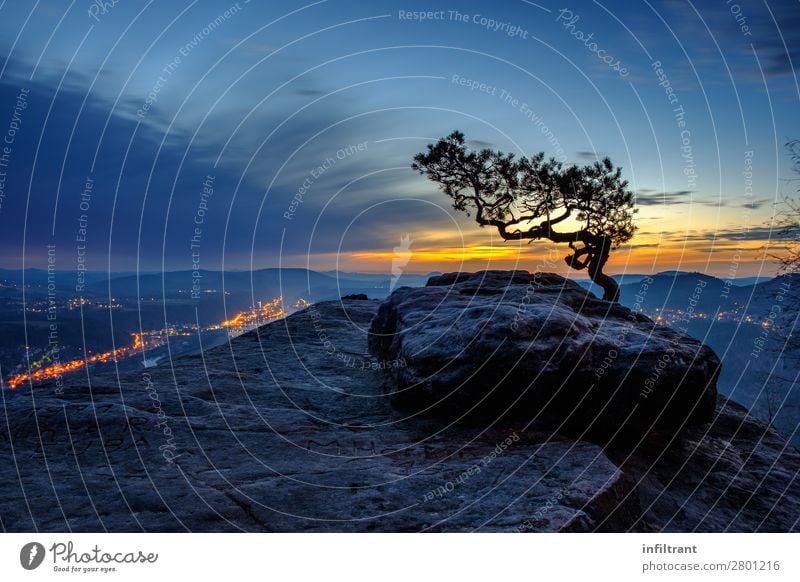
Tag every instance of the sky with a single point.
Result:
(181, 135)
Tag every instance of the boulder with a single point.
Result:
(284, 429)
(510, 344)
(355, 297)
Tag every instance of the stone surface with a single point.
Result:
(478, 346)
(287, 429)
(734, 474)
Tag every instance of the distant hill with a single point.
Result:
(678, 291)
(64, 279)
(668, 289)
(752, 280)
(673, 290)
(259, 284)
(404, 280)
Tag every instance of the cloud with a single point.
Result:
(649, 198)
(774, 32)
(590, 156)
(756, 204)
(480, 144)
(309, 92)
(630, 247)
(780, 51)
(722, 238)
(732, 234)
(748, 234)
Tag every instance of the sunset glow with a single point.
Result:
(649, 254)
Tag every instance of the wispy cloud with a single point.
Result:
(756, 204)
(652, 198)
(731, 234)
(590, 156)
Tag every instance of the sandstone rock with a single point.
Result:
(732, 475)
(478, 346)
(286, 429)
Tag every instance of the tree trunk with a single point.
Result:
(596, 264)
(610, 287)
(598, 248)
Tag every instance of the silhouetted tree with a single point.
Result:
(787, 221)
(787, 239)
(779, 381)
(525, 198)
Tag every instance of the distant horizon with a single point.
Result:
(567, 273)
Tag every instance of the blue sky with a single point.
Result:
(260, 96)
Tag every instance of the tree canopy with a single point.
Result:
(525, 198)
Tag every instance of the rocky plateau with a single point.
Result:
(471, 404)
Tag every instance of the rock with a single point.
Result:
(355, 297)
(479, 346)
(286, 429)
(726, 476)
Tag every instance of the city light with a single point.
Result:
(242, 322)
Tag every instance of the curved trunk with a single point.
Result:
(610, 287)
(597, 248)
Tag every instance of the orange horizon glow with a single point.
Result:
(684, 238)
(747, 258)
